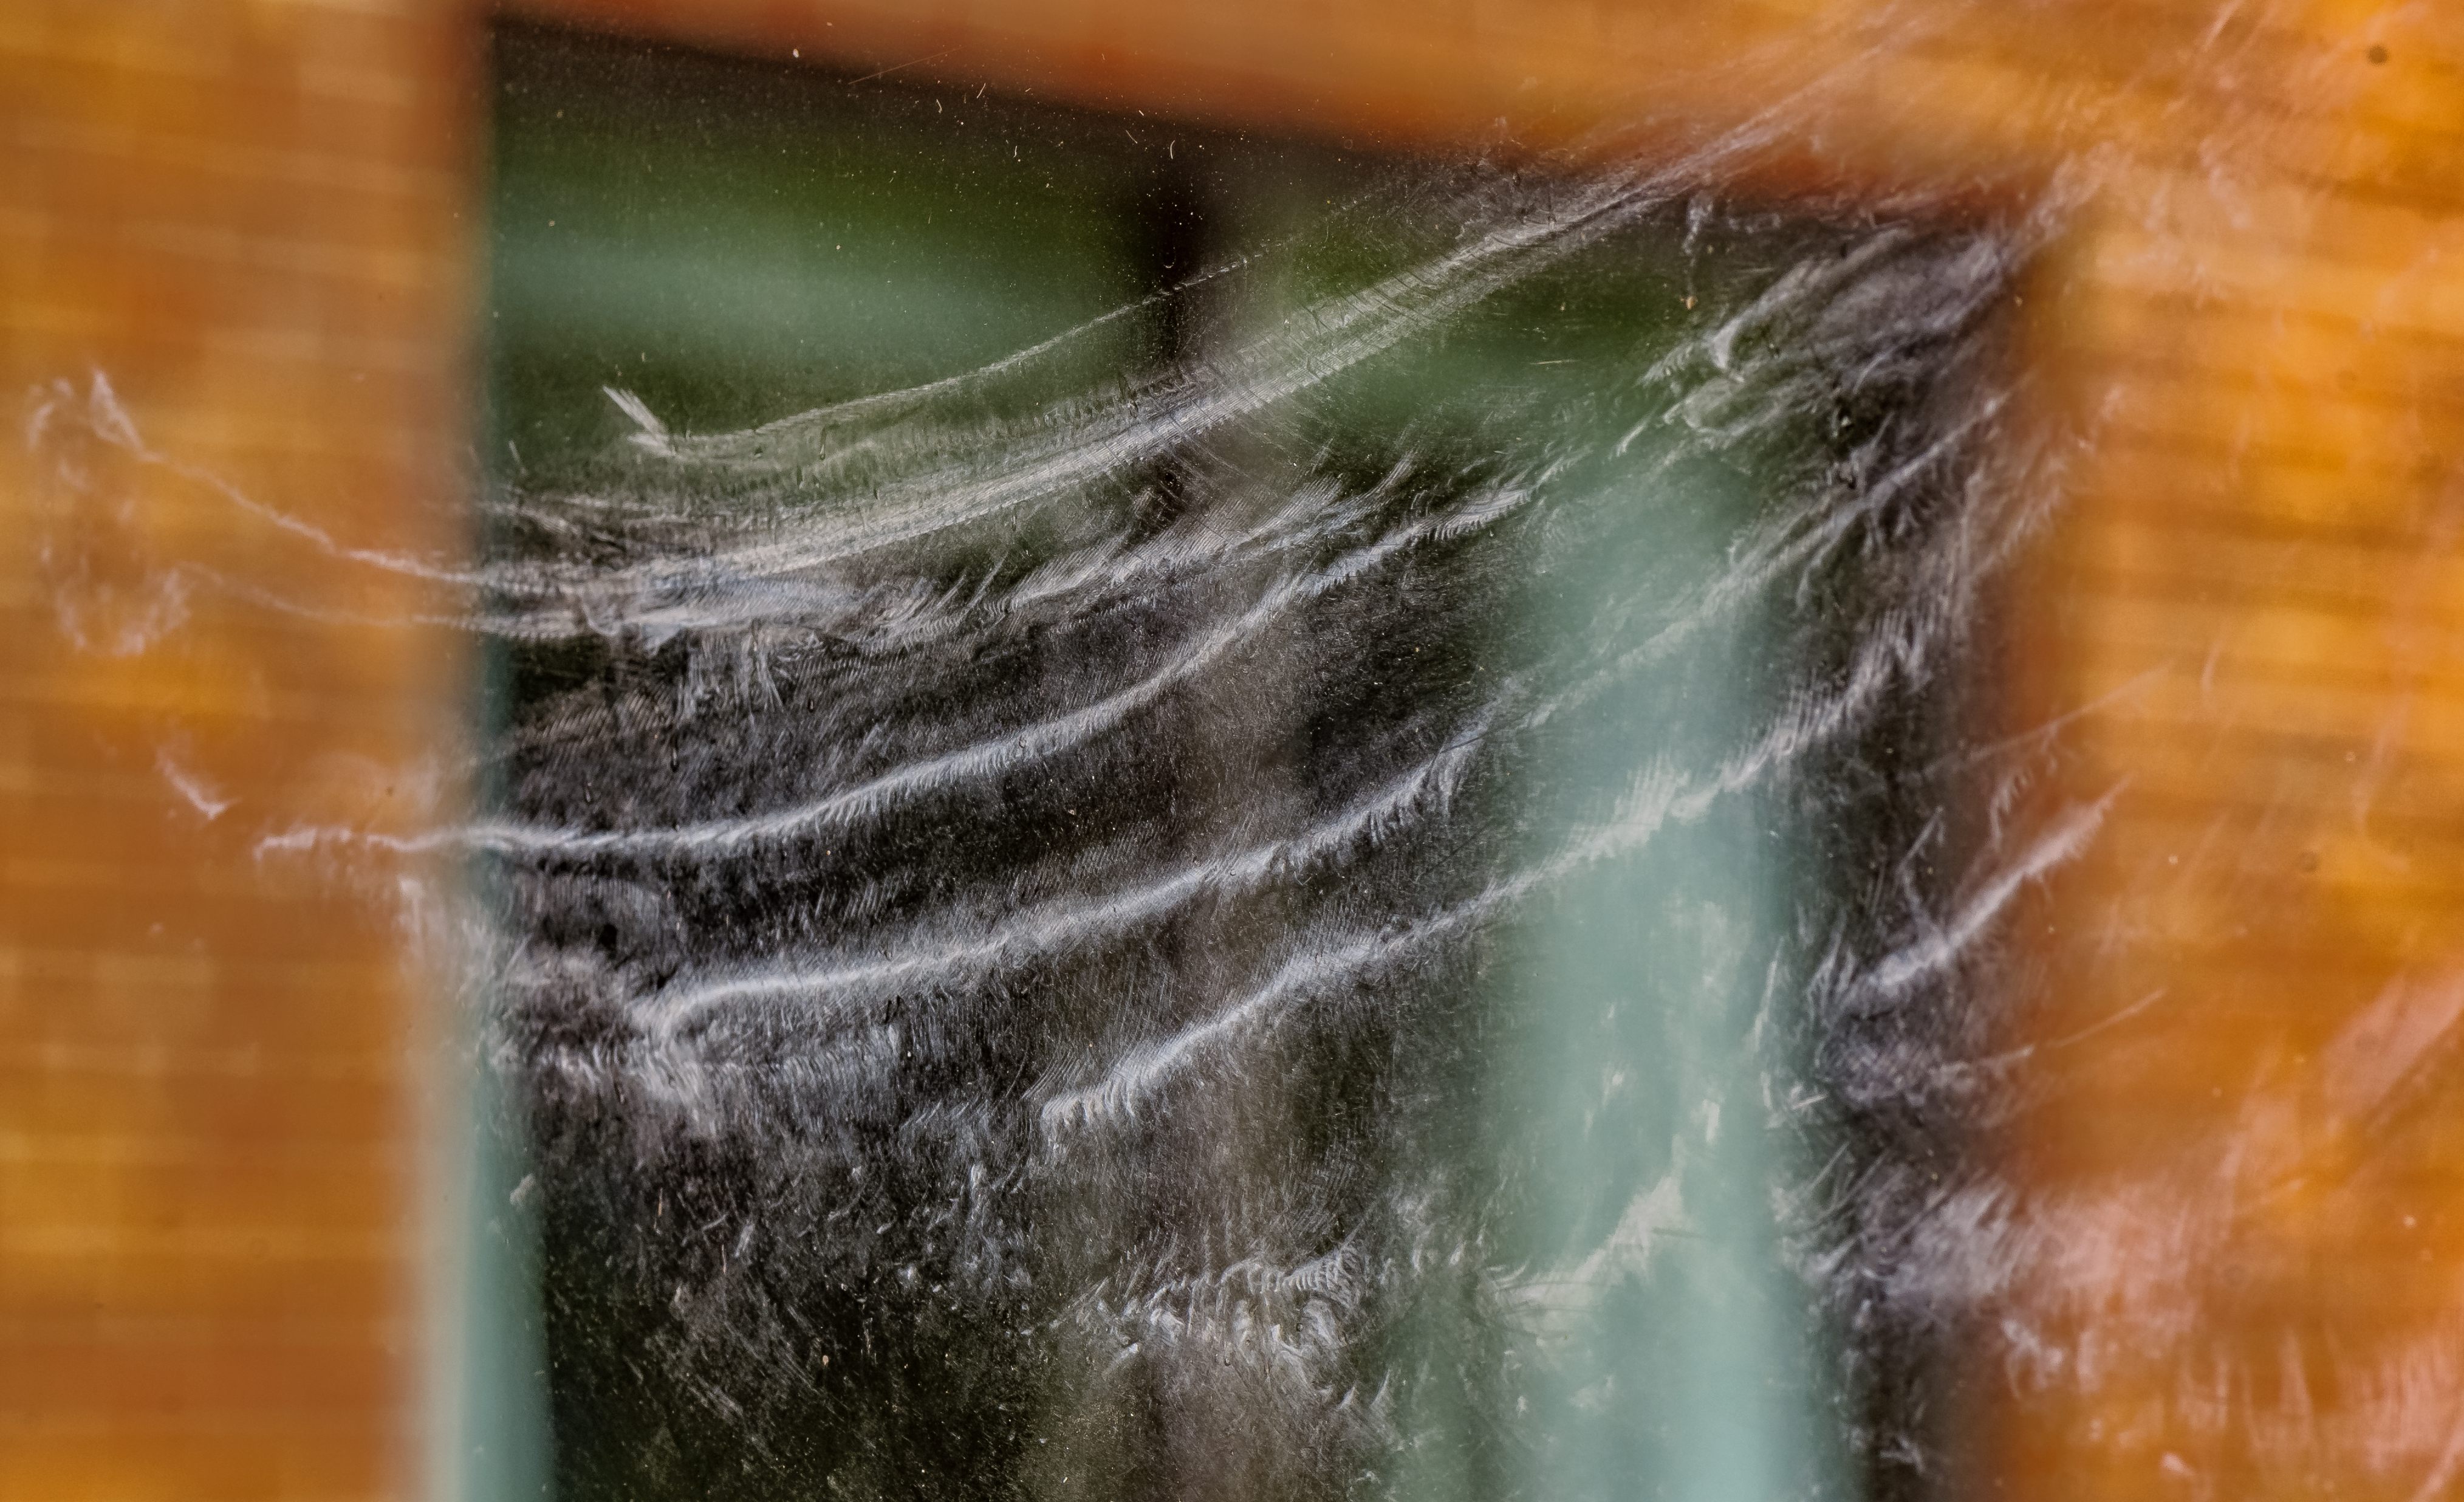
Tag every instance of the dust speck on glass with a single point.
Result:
(1174, 813)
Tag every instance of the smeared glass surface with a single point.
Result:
(1184, 815)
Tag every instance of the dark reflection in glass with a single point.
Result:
(1177, 814)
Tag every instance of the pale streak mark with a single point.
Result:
(1148, 1066)
(190, 785)
(1059, 925)
(999, 754)
(2062, 844)
(1336, 334)
(1660, 796)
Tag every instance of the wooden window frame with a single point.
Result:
(240, 261)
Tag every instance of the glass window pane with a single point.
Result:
(1156, 821)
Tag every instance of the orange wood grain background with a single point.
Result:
(213, 1158)
(252, 216)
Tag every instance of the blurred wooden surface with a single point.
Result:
(244, 214)
(229, 256)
